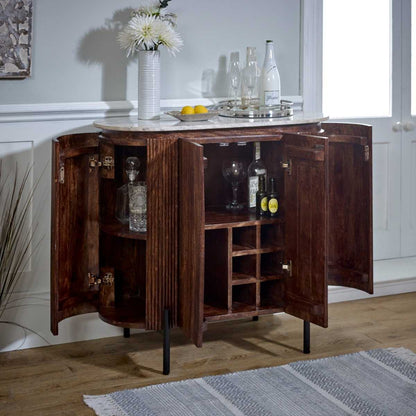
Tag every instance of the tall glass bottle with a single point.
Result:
(255, 169)
(270, 78)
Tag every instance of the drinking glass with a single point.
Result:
(250, 79)
(235, 76)
(138, 206)
(234, 171)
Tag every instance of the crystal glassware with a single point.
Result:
(137, 206)
(250, 76)
(235, 76)
(234, 171)
(122, 197)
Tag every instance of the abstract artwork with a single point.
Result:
(15, 38)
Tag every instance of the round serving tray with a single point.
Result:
(228, 109)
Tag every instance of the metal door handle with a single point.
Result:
(409, 126)
(397, 126)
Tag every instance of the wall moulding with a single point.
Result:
(11, 113)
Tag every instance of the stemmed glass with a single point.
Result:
(234, 171)
(235, 76)
(250, 79)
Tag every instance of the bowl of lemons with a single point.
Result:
(197, 113)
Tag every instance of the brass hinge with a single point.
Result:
(62, 174)
(287, 267)
(94, 280)
(287, 165)
(107, 163)
(366, 152)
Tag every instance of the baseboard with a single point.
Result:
(394, 287)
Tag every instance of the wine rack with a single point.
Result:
(243, 265)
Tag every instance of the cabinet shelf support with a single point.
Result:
(166, 342)
(306, 337)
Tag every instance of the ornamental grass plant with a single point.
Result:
(16, 196)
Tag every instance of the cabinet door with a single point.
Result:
(191, 240)
(75, 227)
(350, 254)
(306, 213)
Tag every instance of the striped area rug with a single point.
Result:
(376, 382)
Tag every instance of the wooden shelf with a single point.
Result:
(266, 276)
(242, 278)
(122, 230)
(239, 250)
(130, 314)
(220, 218)
(240, 307)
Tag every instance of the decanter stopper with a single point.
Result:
(132, 168)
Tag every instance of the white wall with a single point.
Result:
(76, 57)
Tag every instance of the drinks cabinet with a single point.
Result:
(199, 262)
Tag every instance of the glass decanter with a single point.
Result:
(122, 198)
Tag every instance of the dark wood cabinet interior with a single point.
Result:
(198, 260)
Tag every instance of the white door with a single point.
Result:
(366, 79)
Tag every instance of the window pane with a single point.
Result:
(413, 39)
(356, 58)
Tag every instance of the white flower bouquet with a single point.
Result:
(149, 28)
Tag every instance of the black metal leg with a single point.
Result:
(306, 337)
(166, 343)
(255, 318)
(126, 332)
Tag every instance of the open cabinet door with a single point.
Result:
(75, 227)
(305, 206)
(350, 255)
(191, 240)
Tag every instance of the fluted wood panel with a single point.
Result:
(162, 234)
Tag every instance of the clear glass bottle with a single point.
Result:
(270, 78)
(250, 81)
(122, 198)
(255, 169)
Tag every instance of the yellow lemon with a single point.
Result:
(200, 109)
(188, 110)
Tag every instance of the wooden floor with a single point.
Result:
(51, 380)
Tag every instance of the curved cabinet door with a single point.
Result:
(75, 227)
(350, 250)
(305, 159)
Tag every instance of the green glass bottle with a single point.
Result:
(261, 198)
(273, 203)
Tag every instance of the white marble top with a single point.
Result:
(169, 123)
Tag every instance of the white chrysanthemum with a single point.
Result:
(147, 33)
(168, 36)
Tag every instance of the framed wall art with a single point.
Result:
(15, 38)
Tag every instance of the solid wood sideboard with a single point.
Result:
(198, 262)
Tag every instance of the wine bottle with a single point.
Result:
(255, 169)
(261, 198)
(270, 78)
(273, 203)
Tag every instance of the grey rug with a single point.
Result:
(376, 382)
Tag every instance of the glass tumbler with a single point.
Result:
(138, 206)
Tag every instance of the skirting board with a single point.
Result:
(393, 287)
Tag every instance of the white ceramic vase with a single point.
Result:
(149, 85)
